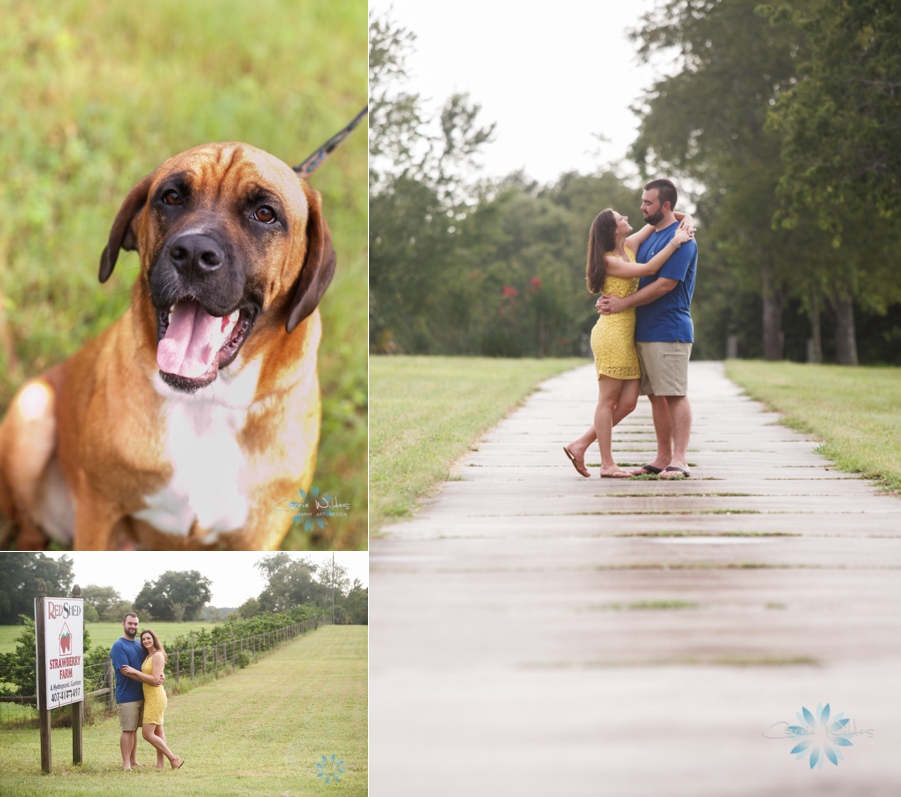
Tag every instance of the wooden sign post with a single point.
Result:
(59, 644)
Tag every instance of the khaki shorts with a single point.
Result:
(664, 368)
(130, 715)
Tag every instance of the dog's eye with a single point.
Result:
(264, 214)
(172, 197)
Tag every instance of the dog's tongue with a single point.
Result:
(192, 341)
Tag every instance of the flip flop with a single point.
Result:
(619, 473)
(646, 470)
(181, 763)
(578, 464)
(675, 473)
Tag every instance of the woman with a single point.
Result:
(155, 701)
(611, 269)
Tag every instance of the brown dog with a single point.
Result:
(185, 422)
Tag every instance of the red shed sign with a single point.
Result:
(64, 651)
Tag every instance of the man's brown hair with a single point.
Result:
(666, 191)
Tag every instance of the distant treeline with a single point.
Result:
(781, 121)
(177, 596)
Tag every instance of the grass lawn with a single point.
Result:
(259, 731)
(426, 413)
(856, 412)
(106, 633)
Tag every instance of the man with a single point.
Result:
(126, 650)
(664, 332)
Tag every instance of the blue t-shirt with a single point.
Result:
(131, 653)
(669, 317)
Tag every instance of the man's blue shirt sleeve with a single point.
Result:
(677, 266)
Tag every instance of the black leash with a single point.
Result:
(313, 162)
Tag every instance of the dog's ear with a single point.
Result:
(123, 234)
(318, 265)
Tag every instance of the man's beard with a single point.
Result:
(130, 635)
(655, 219)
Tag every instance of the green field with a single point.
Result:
(854, 411)
(259, 731)
(105, 634)
(97, 94)
(427, 412)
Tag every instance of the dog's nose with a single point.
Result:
(197, 253)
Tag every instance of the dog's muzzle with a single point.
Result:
(202, 315)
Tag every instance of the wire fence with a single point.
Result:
(192, 664)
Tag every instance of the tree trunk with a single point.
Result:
(816, 334)
(772, 318)
(842, 311)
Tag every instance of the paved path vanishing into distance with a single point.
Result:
(534, 632)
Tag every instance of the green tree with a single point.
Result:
(102, 599)
(706, 123)
(841, 127)
(334, 579)
(404, 139)
(411, 250)
(418, 193)
(355, 605)
(20, 668)
(395, 116)
(175, 594)
(842, 117)
(729, 119)
(116, 613)
(250, 608)
(19, 575)
(290, 582)
(516, 283)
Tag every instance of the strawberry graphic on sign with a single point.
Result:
(65, 640)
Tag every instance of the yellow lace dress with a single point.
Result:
(155, 699)
(613, 336)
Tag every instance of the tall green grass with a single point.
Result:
(856, 412)
(96, 94)
(426, 412)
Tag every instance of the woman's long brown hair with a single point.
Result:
(601, 239)
(156, 642)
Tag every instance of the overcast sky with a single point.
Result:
(550, 75)
(234, 577)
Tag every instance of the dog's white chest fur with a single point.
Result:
(209, 469)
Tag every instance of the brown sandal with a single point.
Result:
(646, 470)
(578, 464)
